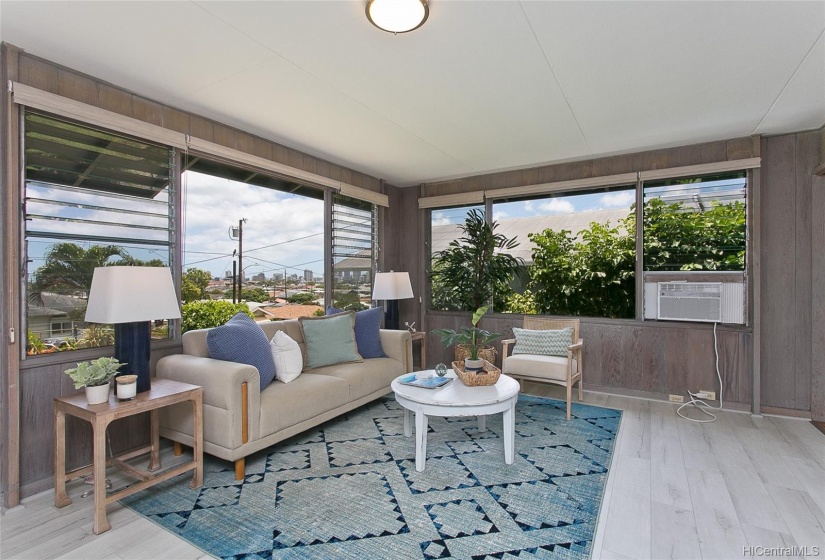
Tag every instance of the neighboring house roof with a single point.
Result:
(36, 311)
(289, 311)
(357, 261)
(519, 228)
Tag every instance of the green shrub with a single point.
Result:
(208, 314)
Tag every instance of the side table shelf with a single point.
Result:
(164, 392)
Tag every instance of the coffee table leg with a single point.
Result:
(407, 422)
(482, 423)
(420, 440)
(509, 433)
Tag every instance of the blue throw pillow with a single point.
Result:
(367, 335)
(243, 341)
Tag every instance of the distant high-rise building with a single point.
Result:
(277, 277)
(260, 277)
(307, 275)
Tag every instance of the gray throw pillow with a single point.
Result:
(544, 342)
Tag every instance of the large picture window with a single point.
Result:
(92, 198)
(252, 242)
(578, 250)
(446, 293)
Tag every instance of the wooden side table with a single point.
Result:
(164, 392)
(422, 336)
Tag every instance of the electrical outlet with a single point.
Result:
(676, 398)
(709, 395)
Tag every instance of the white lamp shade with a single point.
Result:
(128, 294)
(392, 285)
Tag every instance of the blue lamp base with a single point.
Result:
(391, 315)
(132, 348)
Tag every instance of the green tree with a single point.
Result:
(348, 301)
(68, 268)
(251, 294)
(304, 298)
(209, 313)
(473, 268)
(193, 284)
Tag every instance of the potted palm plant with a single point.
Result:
(95, 376)
(472, 340)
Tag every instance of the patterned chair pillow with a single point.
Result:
(544, 342)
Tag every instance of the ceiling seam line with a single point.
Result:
(556, 77)
(347, 96)
(790, 79)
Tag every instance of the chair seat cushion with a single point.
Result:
(537, 366)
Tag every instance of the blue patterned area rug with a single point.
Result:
(349, 489)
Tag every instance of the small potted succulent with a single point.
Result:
(95, 377)
(470, 340)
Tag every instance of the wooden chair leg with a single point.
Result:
(580, 390)
(569, 397)
(178, 448)
(240, 468)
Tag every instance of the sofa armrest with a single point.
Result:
(230, 386)
(397, 344)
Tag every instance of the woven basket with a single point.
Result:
(485, 353)
(473, 379)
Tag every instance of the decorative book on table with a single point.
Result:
(428, 383)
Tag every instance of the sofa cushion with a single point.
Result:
(365, 378)
(284, 405)
(242, 340)
(367, 331)
(287, 357)
(544, 342)
(330, 340)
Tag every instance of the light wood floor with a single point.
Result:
(676, 490)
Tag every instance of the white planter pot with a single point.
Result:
(98, 394)
(473, 364)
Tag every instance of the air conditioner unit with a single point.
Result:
(690, 301)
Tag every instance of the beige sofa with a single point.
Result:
(240, 419)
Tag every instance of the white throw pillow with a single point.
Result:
(287, 356)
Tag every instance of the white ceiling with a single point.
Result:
(481, 87)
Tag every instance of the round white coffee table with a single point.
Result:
(456, 399)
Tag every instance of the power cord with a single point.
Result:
(696, 398)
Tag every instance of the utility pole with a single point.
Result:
(233, 232)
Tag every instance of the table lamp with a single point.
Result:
(130, 297)
(390, 287)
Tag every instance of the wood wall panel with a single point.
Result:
(787, 270)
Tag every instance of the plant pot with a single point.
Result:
(473, 365)
(485, 352)
(97, 394)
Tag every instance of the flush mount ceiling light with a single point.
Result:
(397, 16)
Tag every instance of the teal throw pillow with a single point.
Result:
(330, 340)
(544, 342)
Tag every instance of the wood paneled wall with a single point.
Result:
(792, 278)
(649, 358)
(41, 380)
